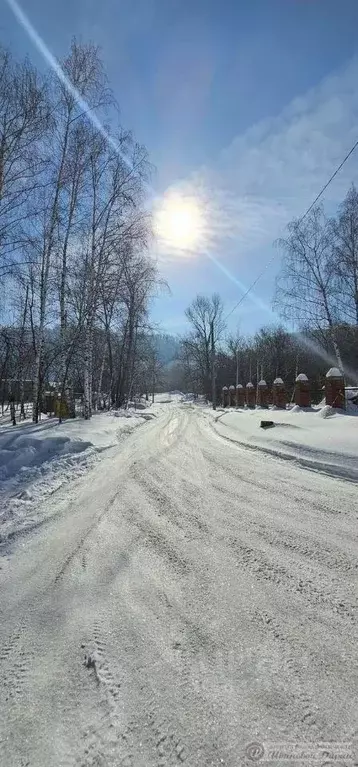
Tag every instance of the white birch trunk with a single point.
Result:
(88, 374)
(99, 388)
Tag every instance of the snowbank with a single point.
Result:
(164, 398)
(5, 419)
(321, 438)
(37, 459)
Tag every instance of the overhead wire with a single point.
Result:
(319, 195)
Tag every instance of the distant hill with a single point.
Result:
(167, 347)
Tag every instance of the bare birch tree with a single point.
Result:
(306, 289)
(23, 118)
(73, 231)
(203, 313)
(345, 256)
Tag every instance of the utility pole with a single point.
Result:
(213, 381)
(237, 366)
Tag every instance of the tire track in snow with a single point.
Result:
(187, 657)
(18, 660)
(310, 553)
(256, 562)
(308, 713)
(154, 538)
(109, 741)
(178, 513)
(297, 541)
(288, 489)
(248, 521)
(170, 749)
(11, 643)
(82, 540)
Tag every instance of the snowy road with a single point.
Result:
(215, 591)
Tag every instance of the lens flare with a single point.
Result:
(179, 222)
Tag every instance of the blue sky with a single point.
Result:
(246, 104)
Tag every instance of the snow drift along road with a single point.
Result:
(320, 439)
(37, 459)
(188, 597)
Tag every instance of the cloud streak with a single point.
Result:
(273, 171)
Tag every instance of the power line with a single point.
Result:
(251, 287)
(299, 222)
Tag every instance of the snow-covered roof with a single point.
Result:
(278, 381)
(302, 377)
(249, 385)
(232, 387)
(334, 373)
(225, 388)
(262, 382)
(239, 386)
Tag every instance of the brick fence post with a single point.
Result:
(250, 395)
(279, 397)
(335, 389)
(224, 395)
(232, 397)
(302, 391)
(262, 394)
(240, 396)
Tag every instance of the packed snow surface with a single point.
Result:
(317, 436)
(37, 459)
(194, 592)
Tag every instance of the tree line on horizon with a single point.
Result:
(316, 290)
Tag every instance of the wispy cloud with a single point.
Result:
(273, 171)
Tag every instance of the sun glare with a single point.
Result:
(179, 222)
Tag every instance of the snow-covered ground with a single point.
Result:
(320, 438)
(38, 459)
(186, 597)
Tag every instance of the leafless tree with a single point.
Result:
(306, 288)
(344, 230)
(23, 120)
(66, 153)
(74, 233)
(203, 314)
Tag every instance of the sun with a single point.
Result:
(179, 222)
